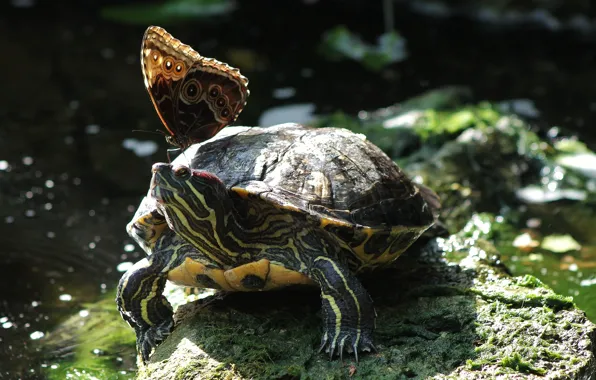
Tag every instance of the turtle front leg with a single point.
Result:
(142, 304)
(348, 312)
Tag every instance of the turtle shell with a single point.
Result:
(344, 182)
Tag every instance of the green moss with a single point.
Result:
(474, 365)
(454, 121)
(186, 371)
(515, 361)
(551, 355)
(256, 347)
(529, 281)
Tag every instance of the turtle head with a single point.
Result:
(177, 183)
(184, 194)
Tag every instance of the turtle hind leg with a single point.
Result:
(348, 312)
(142, 304)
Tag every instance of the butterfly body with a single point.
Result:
(194, 96)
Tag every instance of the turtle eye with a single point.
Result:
(181, 171)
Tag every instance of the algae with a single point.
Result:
(95, 343)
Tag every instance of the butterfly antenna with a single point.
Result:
(156, 132)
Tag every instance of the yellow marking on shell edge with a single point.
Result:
(336, 269)
(243, 193)
(274, 276)
(326, 221)
(360, 252)
(385, 257)
(283, 206)
(235, 276)
(186, 273)
(279, 277)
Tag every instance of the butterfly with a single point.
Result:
(194, 96)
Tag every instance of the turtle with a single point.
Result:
(256, 209)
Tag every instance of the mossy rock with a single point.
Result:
(449, 310)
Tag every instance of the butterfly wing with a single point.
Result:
(179, 79)
(164, 62)
(211, 96)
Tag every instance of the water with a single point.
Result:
(73, 92)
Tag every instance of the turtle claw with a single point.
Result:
(323, 342)
(341, 349)
(349, 341)
(149, 338)
(371, 347)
